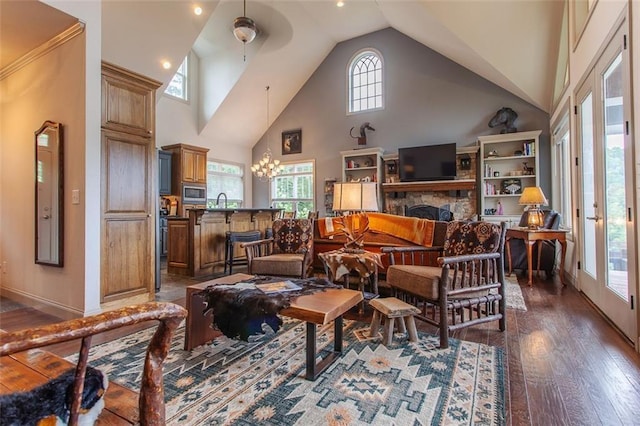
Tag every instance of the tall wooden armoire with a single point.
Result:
(128, 190)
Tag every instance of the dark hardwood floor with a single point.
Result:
(566, 364)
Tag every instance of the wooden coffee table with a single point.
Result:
(316, 309)
(320, 309)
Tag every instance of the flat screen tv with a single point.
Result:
(431, 162)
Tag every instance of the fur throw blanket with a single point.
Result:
(241, 310)
(54, 398)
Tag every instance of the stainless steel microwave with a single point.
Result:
(194, 194)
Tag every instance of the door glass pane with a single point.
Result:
(588, 185)
(615, 200)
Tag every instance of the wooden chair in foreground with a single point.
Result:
(288, 253)
(466, 288)
(151, 398)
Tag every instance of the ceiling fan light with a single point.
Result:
(244, 29)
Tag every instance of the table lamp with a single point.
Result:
(533, 197)
(355, 197)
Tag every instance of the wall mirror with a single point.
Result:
(49, 195)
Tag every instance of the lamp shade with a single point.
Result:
(533, 195)
(355, 196)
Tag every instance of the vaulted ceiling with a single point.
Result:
(513, 44)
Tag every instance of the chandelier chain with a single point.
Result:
(267, 168)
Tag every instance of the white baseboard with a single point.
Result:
(44, 305)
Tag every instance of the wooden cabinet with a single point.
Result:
(197, 242)
(128, 101)
(508, 164)
(128, 203)
(189, 165)
(164, 172)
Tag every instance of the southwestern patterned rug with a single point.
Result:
(262, 381)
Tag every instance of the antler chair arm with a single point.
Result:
(37, 337)
(151, 402)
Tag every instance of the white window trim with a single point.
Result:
(560, 128)
(348, 83)
(273, 200)
(187, 60)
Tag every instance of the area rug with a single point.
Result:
(515, 299)
(261, 382)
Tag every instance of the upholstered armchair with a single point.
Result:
(465, 289)
(547, 260)
(288, 253)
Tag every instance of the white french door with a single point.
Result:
(606, 216)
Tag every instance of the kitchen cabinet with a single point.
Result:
(164, 172)
(129, 205)
(163, 236)
(189, 165)
(128, 101)
(197, 242)
(508, 163)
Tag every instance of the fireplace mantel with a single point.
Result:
(431, 186)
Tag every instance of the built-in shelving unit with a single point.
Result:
(508, 164)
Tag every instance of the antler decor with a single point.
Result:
(354, 227)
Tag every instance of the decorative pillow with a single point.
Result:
(471, 238)
(292, 235)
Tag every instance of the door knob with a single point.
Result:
(596, 218)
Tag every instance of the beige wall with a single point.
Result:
(49, 88)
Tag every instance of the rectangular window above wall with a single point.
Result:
(293, 189)
(225, 179)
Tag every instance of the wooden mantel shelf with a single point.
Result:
(436, 185)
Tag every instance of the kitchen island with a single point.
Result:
(196, 243)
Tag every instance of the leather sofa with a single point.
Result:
(373, 241)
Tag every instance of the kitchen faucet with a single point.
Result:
(218, 199)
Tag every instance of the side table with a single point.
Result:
(535, 236)
(340, 263)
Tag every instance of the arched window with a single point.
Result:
(365, 81)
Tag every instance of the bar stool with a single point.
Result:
(237, 237)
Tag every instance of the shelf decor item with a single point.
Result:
(511, 186)
(534, 198)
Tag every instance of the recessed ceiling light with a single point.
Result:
(166, 65)
(197, 10)
(340, 3)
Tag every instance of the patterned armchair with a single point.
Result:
(466, 288)
(288, 253)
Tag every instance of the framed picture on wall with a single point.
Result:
(292, 142)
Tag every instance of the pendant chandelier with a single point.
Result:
(267, 168)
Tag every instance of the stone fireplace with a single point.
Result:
(459, 195)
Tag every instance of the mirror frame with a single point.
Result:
(55, 129)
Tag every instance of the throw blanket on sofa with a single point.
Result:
(418, 231)
(240, 310)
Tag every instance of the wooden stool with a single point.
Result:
(390, 308)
